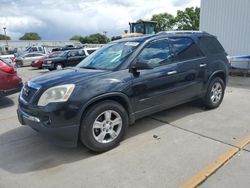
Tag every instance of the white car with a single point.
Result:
(26, 59)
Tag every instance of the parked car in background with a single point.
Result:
(10, 83)
(39, 62)
(26, 59)
(123, 81)
(9, 61)
(66, 47)
(67, 58)
(32, 49)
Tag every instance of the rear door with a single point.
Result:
(192, 66)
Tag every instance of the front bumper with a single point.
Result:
(48, 66)
(66, 136)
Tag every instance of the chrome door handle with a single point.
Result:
(172, 72)
(203, 65)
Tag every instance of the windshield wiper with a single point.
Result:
(88, 67)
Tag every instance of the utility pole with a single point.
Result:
(6, 48)
(105, 33)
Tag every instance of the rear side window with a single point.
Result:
(212, 45)
(184, 49)
(40, 48)
(156, 53)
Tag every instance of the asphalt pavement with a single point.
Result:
(184, 146)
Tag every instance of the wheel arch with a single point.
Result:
(118, 97)
(221, 74)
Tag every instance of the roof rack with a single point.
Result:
(181, 32)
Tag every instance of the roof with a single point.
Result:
(193, 34)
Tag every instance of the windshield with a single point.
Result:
(109, 56)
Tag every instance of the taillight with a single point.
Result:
(7, 68)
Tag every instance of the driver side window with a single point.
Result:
(156, 53)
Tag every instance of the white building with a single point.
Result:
(229, 20)
(22, 44)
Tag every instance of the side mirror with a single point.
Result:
(141, 66)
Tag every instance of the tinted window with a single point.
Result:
(156, 53)
(212, 45)
(73, 53)
(184, 49)
(40, 49)
(34, 49)
(90, 51)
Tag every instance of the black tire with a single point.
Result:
(58, 65)
(208, 101)
(87, 132)
(50, 69)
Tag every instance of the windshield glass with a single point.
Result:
(109, 56)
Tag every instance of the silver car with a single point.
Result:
(26, 59)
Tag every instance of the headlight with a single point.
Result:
(49, 62)
(56, 94)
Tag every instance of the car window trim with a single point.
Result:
(195, 58)
(148, 43)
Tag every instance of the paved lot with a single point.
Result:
(164, 150)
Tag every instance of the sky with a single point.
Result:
(61, 19)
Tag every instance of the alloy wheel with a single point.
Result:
(107, 126)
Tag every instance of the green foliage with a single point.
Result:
(91, 39)
(76, 37)
(30, 36)
(188, 19)
(3, 37)
(164, 21)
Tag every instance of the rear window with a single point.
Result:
(212, 45)
(184, 48)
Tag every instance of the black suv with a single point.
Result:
(121, 82)
(64, 59)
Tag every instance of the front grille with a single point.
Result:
(28, 93)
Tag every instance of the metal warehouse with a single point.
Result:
(229, 20)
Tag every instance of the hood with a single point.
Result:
(66, 76)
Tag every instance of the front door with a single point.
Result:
(151, 87)
(73, 58)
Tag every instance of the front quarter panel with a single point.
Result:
(112, 84)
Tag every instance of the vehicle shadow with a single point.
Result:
(6, 102)
(32, 152)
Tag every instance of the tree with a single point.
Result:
(3, 37)
(76, 37)
(189, 19)
(95, 39)
(30, 36)
(165, 21)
